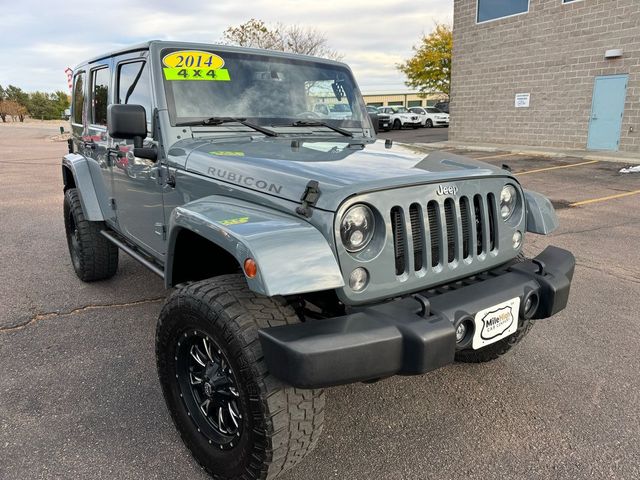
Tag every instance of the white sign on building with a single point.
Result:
(522, 100)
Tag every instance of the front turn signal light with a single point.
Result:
(250, 268)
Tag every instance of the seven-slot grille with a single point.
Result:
(443, 232)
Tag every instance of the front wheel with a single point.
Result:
(237, 420)
(397, 125)
(429, 123)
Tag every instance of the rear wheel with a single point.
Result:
(237, 420)
(92, 255)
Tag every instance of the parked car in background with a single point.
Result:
(336, 111)
(400, 117)
(384, 119)
(431, 116)
(442, 106)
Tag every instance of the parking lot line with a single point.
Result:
(558, 167)
(494, 156)
(602, 199)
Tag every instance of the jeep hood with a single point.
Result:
(276, 166)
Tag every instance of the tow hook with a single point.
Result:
(540, 264)
(425, 305)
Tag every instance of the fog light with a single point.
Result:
(527, 305)
(530, 305)
(461, 332)
(517, 239)
(358, 279)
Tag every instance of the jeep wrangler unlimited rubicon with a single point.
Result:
(301, 251)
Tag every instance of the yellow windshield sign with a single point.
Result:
(194, 65)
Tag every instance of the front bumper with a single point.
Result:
(411, 335)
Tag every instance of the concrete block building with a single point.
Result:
(406, 99)
(555, 73)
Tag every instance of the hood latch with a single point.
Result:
(309, 198)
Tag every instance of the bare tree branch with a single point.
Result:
(286, 38)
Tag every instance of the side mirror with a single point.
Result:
(128, 122)
(375, 122)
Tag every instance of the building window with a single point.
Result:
(398, 103)
(78, 98)
(493, 9)
(374, 104)
(414, 103)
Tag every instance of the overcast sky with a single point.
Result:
(41, 38)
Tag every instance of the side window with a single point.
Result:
(78, 98)
(99, 96)
(134, 87)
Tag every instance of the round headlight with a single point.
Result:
(508, 200)
(356, 228)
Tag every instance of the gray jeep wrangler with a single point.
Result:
(301, 251)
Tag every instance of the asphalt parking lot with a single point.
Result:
(417, 135)
(79, 397)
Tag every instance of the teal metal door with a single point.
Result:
(607, 109)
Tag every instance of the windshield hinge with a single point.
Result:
(309, 198)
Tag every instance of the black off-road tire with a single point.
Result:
(283, 423)
(93, 256)
(496, 350)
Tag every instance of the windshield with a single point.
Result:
(433, 110)
(401, 110)
(266, 90)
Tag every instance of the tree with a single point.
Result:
(3, 96)
(41, 106)
(12, 109)
(19, 98)
(17, 95)
(429, 70)
(293, 38)
(61, 102)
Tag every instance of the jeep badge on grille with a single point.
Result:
(447, 190)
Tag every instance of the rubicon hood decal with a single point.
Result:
(246, 180)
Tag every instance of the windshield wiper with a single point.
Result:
(305, 123)
(221, 120)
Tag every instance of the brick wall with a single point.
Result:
(554, 52)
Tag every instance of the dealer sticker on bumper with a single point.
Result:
(495, 323)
